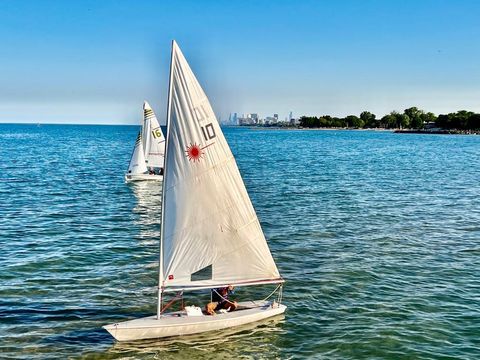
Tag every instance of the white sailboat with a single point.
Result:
(137, 166)
(152, 150)
(210, 233)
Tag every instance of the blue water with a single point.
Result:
(377, 234)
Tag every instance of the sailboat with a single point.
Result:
(210, 234)
(148, 154)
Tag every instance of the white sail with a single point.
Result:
(153, 139)
(211, 235)
(137, 162)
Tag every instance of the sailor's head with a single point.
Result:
(231, 287)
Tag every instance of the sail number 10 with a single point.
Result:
(208, 132)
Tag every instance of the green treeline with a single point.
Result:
(411, 118)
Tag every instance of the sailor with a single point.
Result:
(220, 296)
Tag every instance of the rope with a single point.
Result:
(280, 294)
(280, 286)
(180, 296)
(177, 297)
(223, 297)
(273, 292)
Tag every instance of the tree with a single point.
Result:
(411, 117)
(309, 121)
(388, 121)
(325, 121)
(403, 120)
(354, 121)
(474, 122)
(458, 120)
(443, 121)
(398, 120)
(368, 119)
(462, 118)
(428, 118)
(415, 116)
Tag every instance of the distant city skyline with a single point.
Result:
(235, 118)
(96, 62)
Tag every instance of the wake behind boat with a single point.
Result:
(210, 234)
(148, 154)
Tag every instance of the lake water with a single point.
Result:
(377, 235)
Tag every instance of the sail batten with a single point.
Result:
(211, 235)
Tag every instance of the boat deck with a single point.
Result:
(179, 323)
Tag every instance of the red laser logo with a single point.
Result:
(194, 152)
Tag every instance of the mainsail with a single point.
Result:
(211, 235)
(153, 140)
(137, 162)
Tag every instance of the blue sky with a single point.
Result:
(96, 61)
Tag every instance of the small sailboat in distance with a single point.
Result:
(152, 150)
(154, 141)
(210, 233)
(137, 166)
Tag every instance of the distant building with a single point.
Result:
(254, 117)
(232, 119)
(250, 119)
(271, 120)
(242, 121)
(245, 121)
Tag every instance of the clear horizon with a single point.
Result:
(95, 63)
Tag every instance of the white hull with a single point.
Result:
(178, 323)
(143, 177)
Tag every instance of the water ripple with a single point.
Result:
(376, 233)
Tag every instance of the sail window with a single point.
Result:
(202, 274)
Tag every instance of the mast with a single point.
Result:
(162, 233)
(145, 140)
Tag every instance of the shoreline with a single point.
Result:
(303, 128)
(396, 131)
(438, 132)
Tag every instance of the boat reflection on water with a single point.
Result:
(258, 340)
(149, 201)
(147, 210)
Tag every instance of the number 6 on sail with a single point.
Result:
(210, 234)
